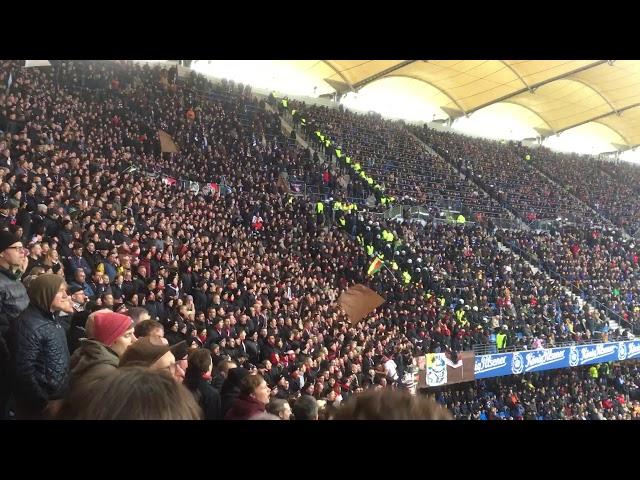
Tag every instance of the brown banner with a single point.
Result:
(359, 301)
(167, 144)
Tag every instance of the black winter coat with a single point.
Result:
(207, 396)
(40, 358)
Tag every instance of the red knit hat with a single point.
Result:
(108, 326)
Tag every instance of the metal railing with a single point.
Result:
(491, 348)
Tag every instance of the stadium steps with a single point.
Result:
(470, 179)
(580, 202)
(286, 128)
(613, 325)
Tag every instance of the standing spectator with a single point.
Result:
(41, 355)
(280, 408)
(132, 393)
(108, 336)
(253, 398)
(198, 380)
(13, 301)
(305, 408)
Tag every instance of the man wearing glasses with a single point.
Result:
(13, 301)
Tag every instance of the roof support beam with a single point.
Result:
(338, 72)
(613, 109)
(533, 87)
(599, 117)
(526, 85)
(358, 85)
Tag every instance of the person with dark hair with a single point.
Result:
(41, 356)
(138, 314)
(149, 328)
(198, 380)
(252, 399)
(13, 301)
(231, 386)
(132, 393)
(305, 408)
(387, 404)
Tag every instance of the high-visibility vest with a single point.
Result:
(342, 221)
(347, 160)
(321, 137)
(293, 112)
(285, 104)
(319, 207)
(461, 219)
(394, 265)
(357, 167)
(593, 371)
(327, 142)
(360, 239)
(303, 121)
(383, 200)
(406, 277)
(370, 181)
(338, 152)
(337, 205)
(501, 340)
(370, 250)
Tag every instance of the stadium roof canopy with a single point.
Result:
(560, 94)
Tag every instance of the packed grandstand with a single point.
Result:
(174, 247)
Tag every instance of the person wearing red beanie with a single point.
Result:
(108, 336)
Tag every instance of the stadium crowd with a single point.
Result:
(118, 268)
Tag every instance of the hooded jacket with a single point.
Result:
(41, 357)
(91, 362)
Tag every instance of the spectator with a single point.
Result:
(41, 355)
(109, 334)
(13, 301)
(198, 381)
(305, 408)
(252, 399)
(132, 393)
(280, 408)
(231, 387)
(391, 405)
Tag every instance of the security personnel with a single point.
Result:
(501, 340)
